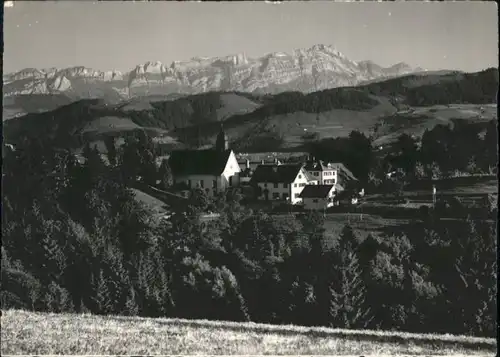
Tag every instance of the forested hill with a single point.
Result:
(73, 124)
(411, 90)
(195, 119)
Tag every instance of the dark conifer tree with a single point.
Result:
(348, 305)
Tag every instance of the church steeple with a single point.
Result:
(222, 143)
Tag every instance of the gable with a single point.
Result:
(232, 164)
(306, 177)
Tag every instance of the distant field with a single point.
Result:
(336, 122)
(17, 105)
(362, 224)
(463, 187)
(416, 120)
(235, 104)
(110, 124)
(340, 122)
(140, 103)
(38, 333)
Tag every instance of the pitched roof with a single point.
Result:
(315, 165)
(316, 191)
(276, 173)
(310, 177)
(198, 162)
(341, 167)
(319, 165)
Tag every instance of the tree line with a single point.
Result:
(76, 240)
(444, 151)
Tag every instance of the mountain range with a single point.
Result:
(316, 68)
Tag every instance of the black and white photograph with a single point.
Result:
(249, 178)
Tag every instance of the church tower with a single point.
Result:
(222, 142)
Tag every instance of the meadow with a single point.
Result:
(384, 121)
(45, 333)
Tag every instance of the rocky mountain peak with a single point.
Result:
(317, 67)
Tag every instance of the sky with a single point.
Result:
(120, 35)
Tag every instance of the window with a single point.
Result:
(214, 184)
(302, 184)
(296, 195)
(265, 185)
(285, 185)
(202, 183)
(316, 173)
(189, 183)
(275, 185)
(285, 196)
(276, 196)
(294, 185)
(230, 180)
(315, 200)
(300, 176)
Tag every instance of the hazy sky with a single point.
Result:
(119, 35)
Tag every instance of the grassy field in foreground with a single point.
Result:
(38, 333)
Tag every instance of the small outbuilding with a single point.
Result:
(318, 197)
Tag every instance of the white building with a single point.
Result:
(213, 170)
(281, 182)
(329, 173)
(318, 197)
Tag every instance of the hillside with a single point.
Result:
(92, 119)
(40, 333)
(385, 109)
(19, 105)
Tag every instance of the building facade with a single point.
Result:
(318, 197)
(329, 173)
(281, 182)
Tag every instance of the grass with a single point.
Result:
(340, 122)
(110, 124)
(336, 122)
(153, 204)
(40, 333)
(235, 104)
(362, 224)
(466, 188)
(418, 119)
